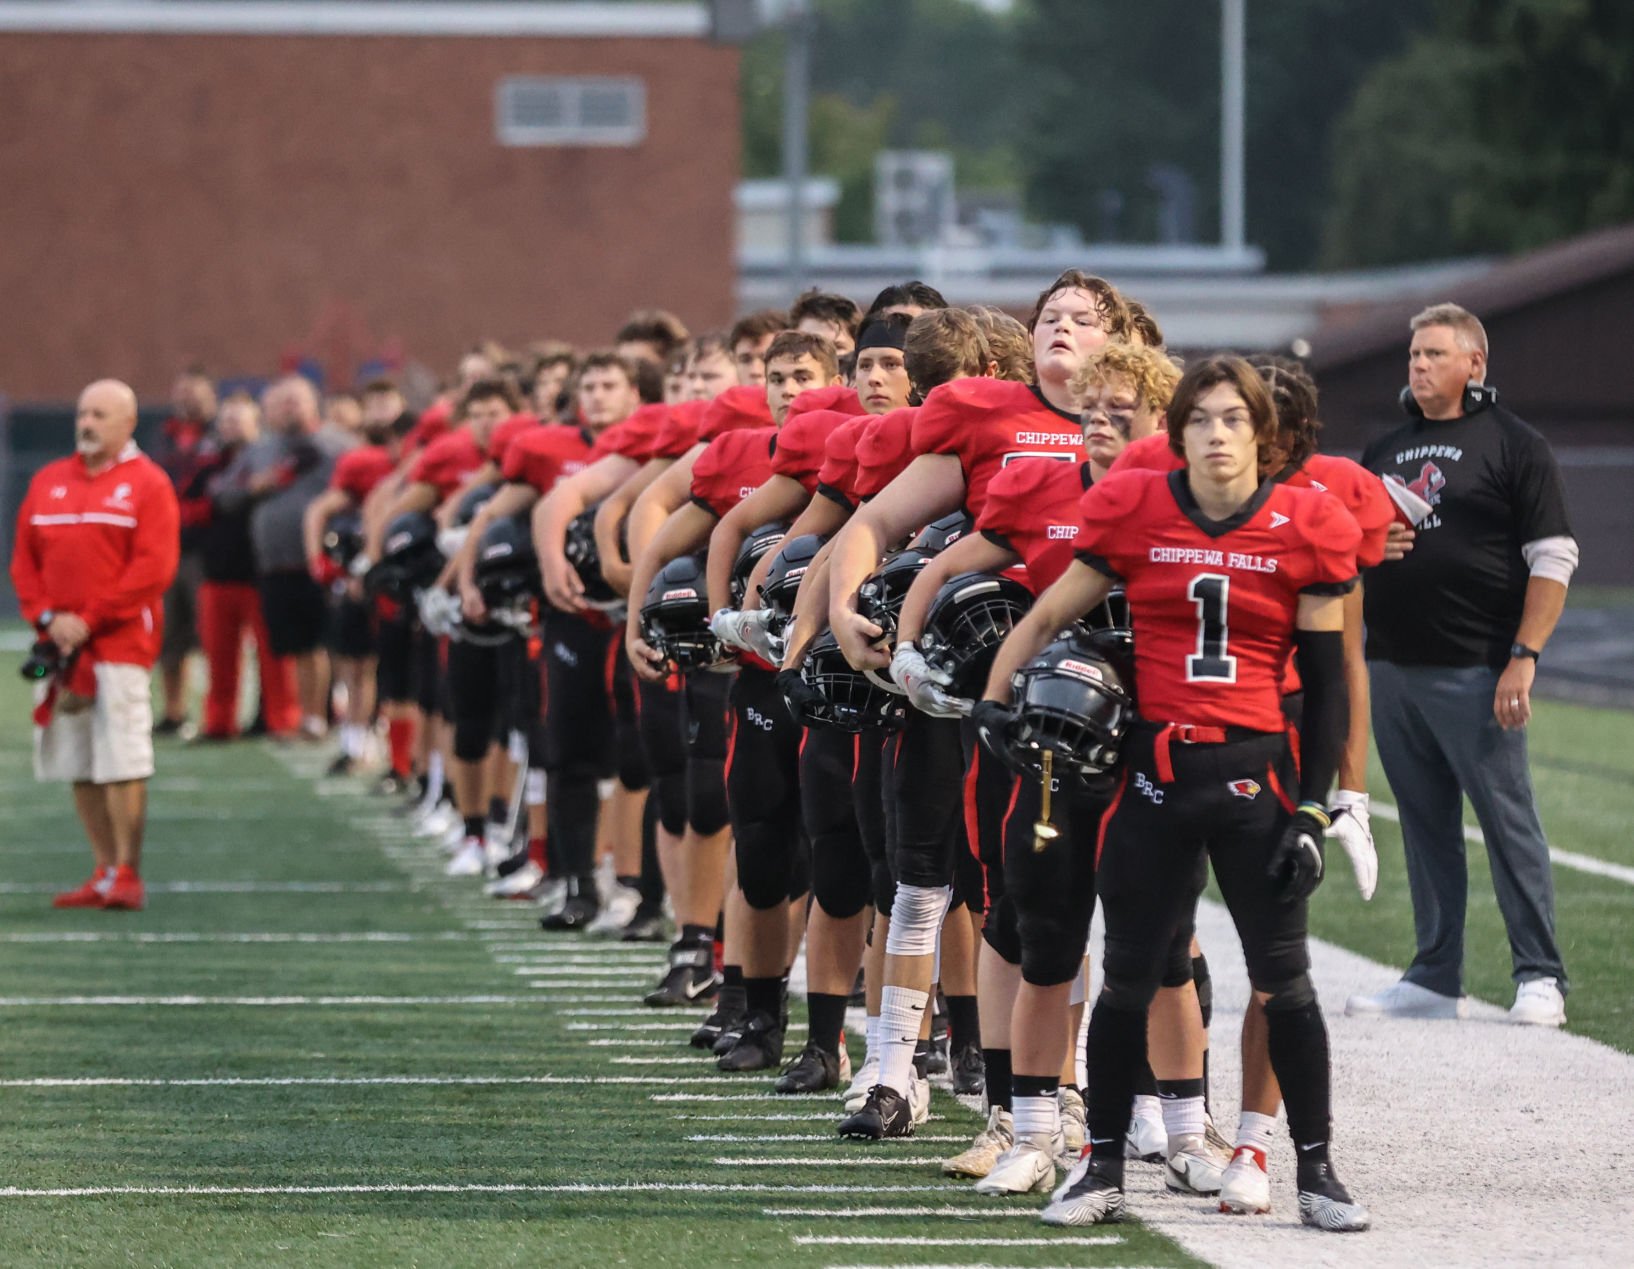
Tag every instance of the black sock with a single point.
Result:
(827, 1017)
(473, 826)
(651, 883)
(1035, 1085)
(1298, 1041)
(964, 1026)
(1204, 983)
(997, 1062)
(1145, 1081)
(499, 810)
(764, 995)
(629, 882)
(1176, 1090)
(695, 935)
(422, 786)
(1116, 1051)
(731, 998)
(921, 1059)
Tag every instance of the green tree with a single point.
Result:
(1506, 127)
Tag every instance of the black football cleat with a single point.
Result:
(579, 911)
(815, 1071)
(690, 979)
(886, 1114)
(646, 926)
(758, 1048)
(969, 1071)
(730, 1006)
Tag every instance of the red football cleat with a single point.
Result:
(126, 892)
(90, 895)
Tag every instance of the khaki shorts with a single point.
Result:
(108, 743)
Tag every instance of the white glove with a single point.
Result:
(759, 636)
(439, 610)
(727, 626)
(924, 685)
(1355, 833)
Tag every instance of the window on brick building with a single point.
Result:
(570, 110)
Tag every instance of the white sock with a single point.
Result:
(1256, 1130)
(871, 1040)
(1148, 1107)
(901, 1010)
(1080, 1059)
(1183, 1116)
(1036, 1117)
(351, 740)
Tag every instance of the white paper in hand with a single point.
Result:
(1416, 509)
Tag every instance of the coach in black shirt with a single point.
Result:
(1454, 631)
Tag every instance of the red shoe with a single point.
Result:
(90, 895)
(126, 892)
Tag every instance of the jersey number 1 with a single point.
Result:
(1211, 663)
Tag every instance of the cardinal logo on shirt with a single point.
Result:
(120, 497)
(1429, 484)
(59, 491)
(1249, 789)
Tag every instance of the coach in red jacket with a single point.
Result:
(97, 543)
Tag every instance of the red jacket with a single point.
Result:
(103, 547)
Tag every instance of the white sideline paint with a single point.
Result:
(869, 1240)
(1565, 858)
(334, 1081)
(604, 1043)
(233, 887)
(827, 1116)
(891, 1160)
(846, 1213)
(34, 1002)
(1430, 1125)
(695, 1058)
(629, 1187)
(109, 936)
(762, 1095)
(827, 1138)
(634, 1026)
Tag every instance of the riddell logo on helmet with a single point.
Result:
(1249, 789)
(1081, 668)
(685, 592)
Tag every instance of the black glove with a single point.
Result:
(992, 722)
(805, 703)
(1297, 861)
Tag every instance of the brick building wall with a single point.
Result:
(226, 197)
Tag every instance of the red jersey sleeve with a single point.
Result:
(446, 462)
(1005, 515)
(1326, 564)
(801, 445)
(731, 468)
(430, 426)
(743, 406)
(1149, 453)
(679, 432)
(837, 477)
(544, 455)
(506, 432)
(358, 471)
(1105, 511)
(885, 449)
(834, 397)
(1364, 496)
(635, 436)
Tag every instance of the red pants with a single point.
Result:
(227, 612)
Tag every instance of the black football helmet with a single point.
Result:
(940, 534)
(855, 702)
(789, 565)
(1071, 701)
(766, 538)
(1108, 631)
(343, 538)
(409, 558)
(969, 618)
(471, 502)
(506, 570)
(675, 615)
(880, 597)
(580, 548)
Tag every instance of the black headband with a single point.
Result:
(883, 334)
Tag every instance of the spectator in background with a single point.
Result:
(96, 546)
(650, 334)
(229, 602)
(748, 341)
(281, 473)
(835, 317)
(179, 452)
(343, 420)
(553, 365)
(1454, 632)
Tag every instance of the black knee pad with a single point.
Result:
(799, 869)
(840, 875)
(632, 763)
(1290, 995)
(1001, 932)
(669, 796)
(1131, 980)
(472, 736)
(765, 865)
(1177, 960)
(883, 886)
(969, 877)
(706, 808)
(1205, 987)
(1051, 943)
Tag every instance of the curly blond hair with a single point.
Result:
(1151, 371)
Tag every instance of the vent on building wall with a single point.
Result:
(570, 110)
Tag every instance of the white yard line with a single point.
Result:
(879, 1240)
(1565, 858)
(828, 1116)
(887, 1160)
(988, 1210)
(759, 1095)
(629, 1187)
(335, 1081)
(36, 1002)
(825, 1138)
(111, 936)
(234, 887)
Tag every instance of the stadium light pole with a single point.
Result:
(1233, 38)
(796, 99)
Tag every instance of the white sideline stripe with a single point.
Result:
(695, 1058)
(827, 1138)
(982, 1265)
(233, 887)
(762, 1096)
(32, 1002)
(445, 936)
(880, 1240)
(336, 1081)
(1565, 858)
(973, 1213)
(793, 1161)
(625, 1044)
(829, 1116)
(575, 971)
(628, 1187)
(634, 1026)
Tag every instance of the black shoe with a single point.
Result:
(390, 785)
(730, 1034)
(169, 726)
(936, 1056)
(646, 926)
(885, 1114)
(728, 1015)
(341, 766)
(814, 1071)
(1325, 1203)
(759, 1048)
(579, 911)
(690, 980)
(969, 1071)
(257, 727)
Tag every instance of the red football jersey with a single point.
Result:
(447, 461)
(499, 440)
(743, 406)
(837, 477)
(731, 468)
(1360, 490)
(679, 432)
(884, 450)
(1032, 509)
(802, 442)
(989, 424)
(359, 470)
(543, 455)
(430, 426)
(1214, 602)
(1149, 453)
(836, 396)
(635, 436)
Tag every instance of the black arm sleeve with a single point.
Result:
(1326, 720)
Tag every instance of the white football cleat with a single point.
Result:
(552, 895)
(616, 910)
(1027, 1167)
(519, 885)
(1148, 1139)
(1193, 1166)
(867, 1075)
(991, 1142)
(919, 1098)
(1085, 1198)
(1074, 1126)
(1245, 1188)
(436, 821)
(1407, 1000)
(1538, 1003)
(467, 861)
(1325, 1204)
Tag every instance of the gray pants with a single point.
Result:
(1439, 741)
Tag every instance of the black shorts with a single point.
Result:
(351, 628)
(706, 726)
(295, 611)
(763, 791)
(579, 740)
(925, 817)
(394, 671)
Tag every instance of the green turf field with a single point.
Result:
(399, 976)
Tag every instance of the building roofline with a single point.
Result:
(336, 17)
